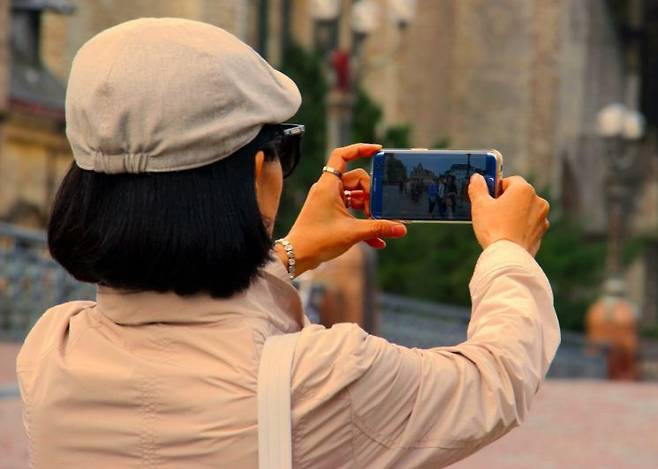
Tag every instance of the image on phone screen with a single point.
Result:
(429, 186)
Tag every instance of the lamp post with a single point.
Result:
(365, 18)
(349, 296)
(402, 11)
(621, 128)
(612, 319)
(343, 64)
(325, 15)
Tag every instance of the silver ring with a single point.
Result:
(334, 171)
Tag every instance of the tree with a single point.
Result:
(434, 262)
(305, 69)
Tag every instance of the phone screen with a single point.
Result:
(428, 186)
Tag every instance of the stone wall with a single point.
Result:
(523, 76)
(481, 74)
(492, 71)
(35, 157)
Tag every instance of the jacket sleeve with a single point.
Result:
(429, 408)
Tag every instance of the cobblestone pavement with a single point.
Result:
(573, 424)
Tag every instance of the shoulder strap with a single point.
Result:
(274, 416)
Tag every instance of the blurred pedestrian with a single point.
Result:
(432, 196)
(450, 197)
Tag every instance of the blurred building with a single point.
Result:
(38, 39)
(4, 61)
(524, 76)
(527, 77)
(33, 150)
(64, 35)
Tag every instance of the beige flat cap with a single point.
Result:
(168, 94)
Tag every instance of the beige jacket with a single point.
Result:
(156, 380)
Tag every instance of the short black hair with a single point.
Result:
(187, 232)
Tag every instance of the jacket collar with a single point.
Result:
(271, 297)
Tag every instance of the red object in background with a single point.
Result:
(340, 60)
(611, 321)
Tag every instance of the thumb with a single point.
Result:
(478, 191)
(380, 229)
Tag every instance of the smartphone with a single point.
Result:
(420, 185)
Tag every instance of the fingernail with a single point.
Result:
(399, 230)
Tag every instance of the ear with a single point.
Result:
(259, 160)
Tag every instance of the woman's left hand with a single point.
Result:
(325, 228)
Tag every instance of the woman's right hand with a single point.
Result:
(325, 228)
(518, 215)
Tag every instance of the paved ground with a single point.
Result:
(403, 206)
(13, 448)
(574, 424)
(8, 352)
(581, 424)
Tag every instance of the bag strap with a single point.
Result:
(274, 413)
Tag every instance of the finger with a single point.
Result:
(368, 229)
(359, 200)
(376, 243)
(357, 179)
(478, 192)
(357, 204)
(511, 180)
(517, 183)
(358, 194)
(354, 199)
(544, 207)
(340, 156)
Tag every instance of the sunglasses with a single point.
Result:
(290, 146)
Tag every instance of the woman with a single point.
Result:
(169, 207)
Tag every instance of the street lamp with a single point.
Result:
(364, 20)
(402, 11)
(342, 63)
(612, 319)
(617, 121)
(342, 66)
(325, 14)
(620, 127)
(326, 10)
(365, 16)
